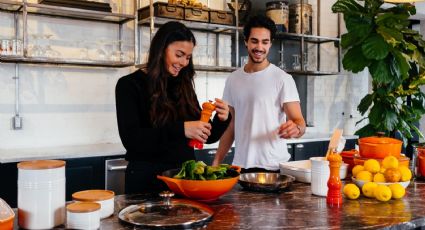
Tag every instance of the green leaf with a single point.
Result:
(376, 114)
(389, 33)
(354, 60)
(417, 131)
(347, 6)
(390, 120)
(349, 39)
(375, 47)
(365, 103)
(402, 63)
(366, 131)
(380, 72)
(360, 25)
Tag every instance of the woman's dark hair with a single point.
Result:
(162, 110)
(259, 21)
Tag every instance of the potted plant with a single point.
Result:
(379, 38)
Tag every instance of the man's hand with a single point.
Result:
(289, 129)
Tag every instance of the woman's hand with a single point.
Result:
(222, 109)
(197, 130)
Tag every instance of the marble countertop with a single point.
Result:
(298, 209)
(109, 149)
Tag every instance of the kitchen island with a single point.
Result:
(298, 209)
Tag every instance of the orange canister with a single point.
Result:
(419, 156)
(379, 147)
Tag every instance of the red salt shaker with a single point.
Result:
(334, 196)
(207, 110)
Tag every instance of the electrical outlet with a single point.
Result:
(17, 122)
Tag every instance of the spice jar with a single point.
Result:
(103, 197)
(278, 11)
(83, 215)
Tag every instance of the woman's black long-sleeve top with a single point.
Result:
(143, 142)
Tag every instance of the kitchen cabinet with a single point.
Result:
(25, 9)
(207, 156)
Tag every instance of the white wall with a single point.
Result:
(64, 106)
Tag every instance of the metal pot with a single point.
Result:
(379, 147)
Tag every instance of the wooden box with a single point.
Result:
(164, 10)
(196, 14)
(222, 17)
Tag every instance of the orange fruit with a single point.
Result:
(392, 175)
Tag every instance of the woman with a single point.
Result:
(158, 111)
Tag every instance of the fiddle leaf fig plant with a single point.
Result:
(379, 38)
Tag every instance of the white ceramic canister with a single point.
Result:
(41, 194)
(104, 197)
(83, 215)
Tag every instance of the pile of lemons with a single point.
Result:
(372, 173)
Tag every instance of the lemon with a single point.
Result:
(357, 169)
(351, 191)
(382, 193)
(379, 177)
(369, 188)
(365, 176)
(397, 190)
(406, 174)
(372, 166)
(382, 170)
(390, 162)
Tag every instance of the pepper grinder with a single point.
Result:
(334, 196)
(207, 109)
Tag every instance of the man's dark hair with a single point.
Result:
(259, 21)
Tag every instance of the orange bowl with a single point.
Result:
(379, 147)
(348, 158)
(204, 190)
(403, 160)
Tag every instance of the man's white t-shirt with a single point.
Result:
(258, 100)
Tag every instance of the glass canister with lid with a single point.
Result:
(278, 11)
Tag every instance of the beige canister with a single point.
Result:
(41, 194)
(278, 11)
(83, 215)
(295, 18)
(103, 197)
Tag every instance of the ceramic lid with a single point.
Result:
(41, 164)
(167, 213)
(83, 207)
(93, 195)
(379, 140)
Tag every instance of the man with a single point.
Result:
(264, 102)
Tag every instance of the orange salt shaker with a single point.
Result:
(207, 110)
(334, 196)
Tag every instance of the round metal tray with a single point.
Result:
(266, 182)
(167, 214)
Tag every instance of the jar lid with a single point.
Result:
(167, 213)
(93, 195)
(379, 140)
(83, 207)
(41, 164)
(276, 2)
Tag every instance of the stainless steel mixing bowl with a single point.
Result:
(265, 182)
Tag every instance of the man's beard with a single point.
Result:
(254, 60)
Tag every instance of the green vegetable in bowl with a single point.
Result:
(198, 170)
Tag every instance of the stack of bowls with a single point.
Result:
(378, 148)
